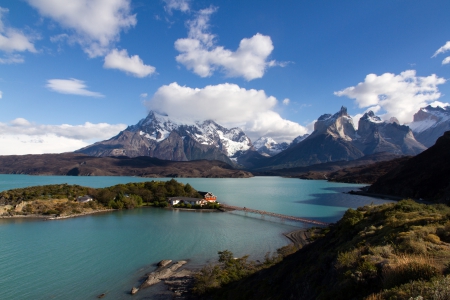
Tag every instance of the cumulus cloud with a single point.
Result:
(130, 64)
(199, 53)
(1, 94)
(12, 40)
(286, 101)
(181, 5)
(399, 96)
(229, 105)
(71, 86)
(20, 136)
(96, 24)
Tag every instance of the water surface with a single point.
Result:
(80, 258)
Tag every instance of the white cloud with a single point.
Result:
(199, 53)
(12, 39)
(49, 143)
(181, 5)
(20, 136)
(400, 96)
(229, 105)
(71, 86)
(96, 24)
(1, 94)
(12, 59)
(286, 101)
(443, 49)
(130, 64)
(446, 60)
(143, 95)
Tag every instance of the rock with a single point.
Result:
(164, 262)
(134, 290)
(162, 273)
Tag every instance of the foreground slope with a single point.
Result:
(392, 251)
(77, 164)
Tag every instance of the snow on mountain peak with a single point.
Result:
(158, 127)
(428, 117)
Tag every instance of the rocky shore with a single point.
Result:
(177, 280)
(47, 217)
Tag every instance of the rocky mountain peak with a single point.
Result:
(161, 136)
(339, 125)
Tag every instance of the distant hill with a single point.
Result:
(77, 164)
(342, 170)
(426, 175)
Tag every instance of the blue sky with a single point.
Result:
(74, 74)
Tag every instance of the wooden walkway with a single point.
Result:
(266, 213)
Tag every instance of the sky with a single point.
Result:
(73, 73)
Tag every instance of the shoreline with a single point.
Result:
(45, 218)
(179, 285)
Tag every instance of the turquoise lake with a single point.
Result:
(80, 258)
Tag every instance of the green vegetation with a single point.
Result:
(210, 205)
(392, 251)
(61, 199)
(231, 269)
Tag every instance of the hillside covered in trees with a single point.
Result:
(61, 199)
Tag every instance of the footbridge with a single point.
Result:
(271, 214)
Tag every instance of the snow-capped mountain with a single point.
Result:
(430, 123)
(160, 136)
(268, 146)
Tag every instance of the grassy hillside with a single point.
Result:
(392, 251)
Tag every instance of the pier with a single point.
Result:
(271, 214)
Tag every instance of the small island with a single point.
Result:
(63, 200)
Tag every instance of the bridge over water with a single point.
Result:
(271, 214)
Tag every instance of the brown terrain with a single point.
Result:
(426, 175)
(363, 170)
(78, 164)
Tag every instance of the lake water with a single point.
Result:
(83, 257)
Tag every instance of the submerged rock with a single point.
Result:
(164, 262)
(134, 290)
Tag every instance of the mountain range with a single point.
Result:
(334, 138)
(159, 136)
(430, 123)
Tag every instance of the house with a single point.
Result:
(84, 199)
(185, 200)
(208, 196)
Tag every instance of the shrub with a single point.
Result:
(408, 268)
(351, 217)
